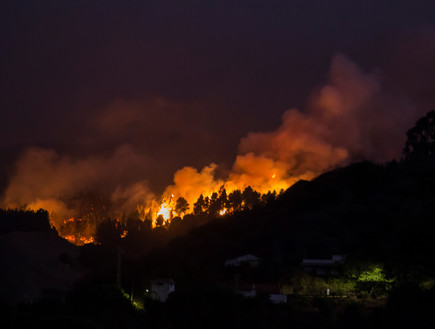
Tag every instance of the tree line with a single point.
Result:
(221, 202)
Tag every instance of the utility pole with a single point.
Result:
(118, 267)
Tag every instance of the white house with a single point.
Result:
(252, 260)
(161, 288)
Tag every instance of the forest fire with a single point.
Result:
(79, 240)
(254, 180)
(218, 203)
(165, 212)
(337, 127)
(76, 231)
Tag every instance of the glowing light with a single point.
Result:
(124, 234)
(223, 211)
(273, 176)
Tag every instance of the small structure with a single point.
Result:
(249, 259)
(323, 266)
(271, 290)
(247, 290)
(161, 288)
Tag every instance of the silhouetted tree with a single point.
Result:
(24, 220)
(215, 204)
(109, 232)
(268, 197)
(160, 220)
(420, 143)
(250, 197)
(136, 227)
(235, 200)
(224, 198)
(181, 206)
(200, 206)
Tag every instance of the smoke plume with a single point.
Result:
(351, 117)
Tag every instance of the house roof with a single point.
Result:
(163, 280)
(245, 258)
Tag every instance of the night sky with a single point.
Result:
(131, 91)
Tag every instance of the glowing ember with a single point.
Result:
(223, 211)
(78, 240)
(124, 234)
(70, 238)
(86, 240)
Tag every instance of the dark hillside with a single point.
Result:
(36, 265)
(365, 210)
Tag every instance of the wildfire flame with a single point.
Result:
(86, 240)
(77, 239)
(165, 211)
(70, 238)
(76, 231)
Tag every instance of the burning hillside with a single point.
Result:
(352, 117)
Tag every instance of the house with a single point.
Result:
(271, 290)
(249, 259)
(161, 288)
(323, 266)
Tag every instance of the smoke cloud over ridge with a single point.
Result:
(352, 117)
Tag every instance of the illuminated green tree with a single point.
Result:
(373, 281)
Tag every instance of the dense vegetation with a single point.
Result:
(24, 221)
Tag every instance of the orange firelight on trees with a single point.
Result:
(166, 210)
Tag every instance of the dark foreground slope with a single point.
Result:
(36, 265)
(375, 214)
